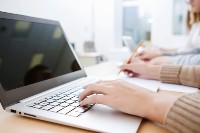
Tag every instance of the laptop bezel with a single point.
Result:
(11, 97)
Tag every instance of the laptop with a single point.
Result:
(41, 77)
(130, 44)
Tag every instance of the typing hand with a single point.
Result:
(128, 98)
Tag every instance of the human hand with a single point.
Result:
(141, 69)
(161, 60)
(128, 98)
(147, 55)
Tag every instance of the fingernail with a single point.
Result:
(130, 74)
(84, 87)
(80, 103)
(79, 99)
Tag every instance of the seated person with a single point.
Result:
(177, 113)
(192, 48)
(36, 74)
(189, 57)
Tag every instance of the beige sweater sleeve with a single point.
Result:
(184, 115)
(185, 75)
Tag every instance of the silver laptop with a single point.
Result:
(41, 77)
(129, 42)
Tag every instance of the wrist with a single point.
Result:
(159, 105)
(154, 71)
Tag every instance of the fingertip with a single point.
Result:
(130, 74)
(85, 86)
(125, 72)
(81, 103)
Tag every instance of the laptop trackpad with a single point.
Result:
(104, 118)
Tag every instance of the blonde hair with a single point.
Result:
(192, 18)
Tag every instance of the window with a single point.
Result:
(137, 19)
(179, 17)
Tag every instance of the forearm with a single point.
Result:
(190, 51)
(192, 59)
(184, 115)
(158, 107)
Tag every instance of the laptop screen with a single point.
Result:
(31, 52)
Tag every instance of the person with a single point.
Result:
(36, 74)
(179, 114)
(188, 54)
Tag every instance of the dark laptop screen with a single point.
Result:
(32, 52)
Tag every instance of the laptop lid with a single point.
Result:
(35, 56)
(128, 41)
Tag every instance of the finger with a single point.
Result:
(104, 81)
(132, 74)
(144, 57)
(93, 89)
(95, 99)
(135, 60)
(126, 72)
(127, 67)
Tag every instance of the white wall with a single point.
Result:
(98, 20)
(108, 25)
(74, 15)
(162, 28)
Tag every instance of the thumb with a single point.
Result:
(127, 67)
(144, 56)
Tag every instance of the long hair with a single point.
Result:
(192, 18)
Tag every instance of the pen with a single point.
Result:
(133, 54)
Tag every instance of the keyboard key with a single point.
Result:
(56, 109)
(56, 98)
(54, 103)
(61, 101)
(75, 104)
(69, 101)
(31, 105)
(37, 106)
(81, 109)
(64, 104)
(75, 98)
(50, 100)
(66, 110)
(62, 95)
(66, 98)
(75, 114)
(71, 95)
(43, 103)
(47, 107)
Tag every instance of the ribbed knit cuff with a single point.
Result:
(170, 74)
(184, 115)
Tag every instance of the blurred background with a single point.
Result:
(108, 30)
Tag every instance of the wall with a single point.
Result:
(98, 20)
(74, 15)
(162, 27)
(108, 25)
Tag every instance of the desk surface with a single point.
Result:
(10, 123)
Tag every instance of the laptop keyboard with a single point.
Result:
(64, 102)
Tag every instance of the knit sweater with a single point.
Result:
(184, 115)
(190, 53)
